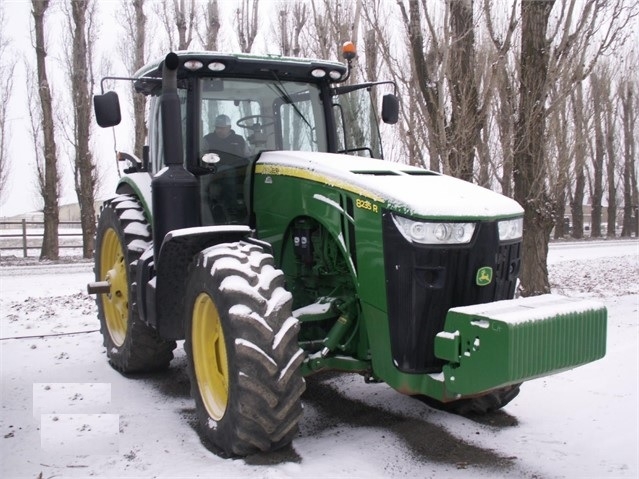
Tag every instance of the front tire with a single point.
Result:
(123, 234)
(243, 356)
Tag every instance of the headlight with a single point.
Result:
(434, 233)
(511, 229)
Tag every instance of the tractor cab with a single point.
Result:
(234, 107)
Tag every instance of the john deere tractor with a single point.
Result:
(300, 249)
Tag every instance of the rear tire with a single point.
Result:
(123, 234)
(243, 356)
(479, 405)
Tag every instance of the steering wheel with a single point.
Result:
(243, 122)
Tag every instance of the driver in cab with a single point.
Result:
(224, 139)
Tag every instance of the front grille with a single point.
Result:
(424, 281)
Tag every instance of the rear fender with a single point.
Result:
(169, 285)
(138, 185)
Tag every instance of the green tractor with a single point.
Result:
(292, 247)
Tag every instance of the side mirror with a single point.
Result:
(390, 109)
(107, 109)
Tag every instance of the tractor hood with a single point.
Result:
(406, 189)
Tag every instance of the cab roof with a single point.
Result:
(241, 65)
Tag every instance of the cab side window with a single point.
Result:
(156, 150)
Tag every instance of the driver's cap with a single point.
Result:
(222, 120)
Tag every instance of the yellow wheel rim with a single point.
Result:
(113, 269)
(209, 356)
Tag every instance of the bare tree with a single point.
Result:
(427, 67)
(333, 22)
(529, 156)
(561, 43)
(577, 201)
(583, 33)
(6, 89)
(35, 126)
(292, 19)
(134, 53)
(372, 74)
(246, 16)
(505, 97)
(331, 25)
(562, 148)
(410, 137)
(611, 167)
(444, 59)
(465, 119)
(80, 17)
(178, 16)
(600, 81)
(629, 121)
(184, 22)
(210, 25)
(50, 192)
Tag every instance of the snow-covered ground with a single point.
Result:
(66, 413)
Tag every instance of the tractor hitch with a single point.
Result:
(99, 287)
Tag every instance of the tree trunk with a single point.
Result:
(429, 86)
(184, 22)
(463, 132)
(6, 89)
(246, 17)
(292, 19)
(599, 97)
(560, 191)
(629, 120)
(85, 180)
(139, 101)
(483, 155)
(371, 75)
(611, 168)
(212, 26)
(504, 119)
(577, 203)
(558, 125)
(560, 222)
(50, 190)
(529, 156)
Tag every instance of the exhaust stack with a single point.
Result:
(175, 190)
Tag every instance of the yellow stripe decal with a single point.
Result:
(279, 170)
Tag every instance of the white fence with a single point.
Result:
(21, 237)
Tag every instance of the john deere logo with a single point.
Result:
(484, 276)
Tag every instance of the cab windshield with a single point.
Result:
(244, 117)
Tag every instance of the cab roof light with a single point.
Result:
(217, 66)
(318, 73)
(193, 65)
